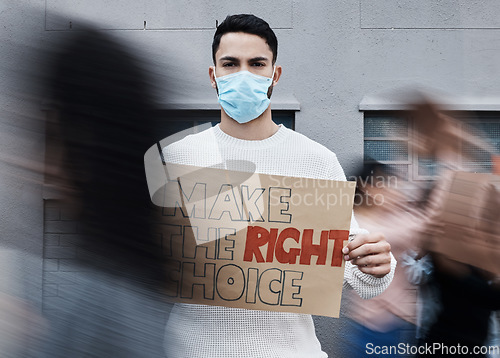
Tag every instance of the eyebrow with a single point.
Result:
(229, 58)
(234, 59)
(260, 58)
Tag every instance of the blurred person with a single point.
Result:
(442, 137)
(244, 74)
(418, 268)
(104, 124)
(388, 319)
(466, 295)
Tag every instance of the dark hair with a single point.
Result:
(249, 24)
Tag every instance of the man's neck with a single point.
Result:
(260, 128)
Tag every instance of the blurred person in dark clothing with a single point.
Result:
(467, 294)
(468, 297)
(104, 109)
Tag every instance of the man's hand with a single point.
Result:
(371, 253)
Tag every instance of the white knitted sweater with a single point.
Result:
(198, 331)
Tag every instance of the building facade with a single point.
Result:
(344, 64)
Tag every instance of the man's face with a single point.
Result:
(239, 51)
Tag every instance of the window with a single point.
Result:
(387, 136)
(386, 140)
(487, 127)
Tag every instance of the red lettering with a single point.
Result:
(309, 249)
(270, 246)
(339, 236)
(289, 257)
(256, 237)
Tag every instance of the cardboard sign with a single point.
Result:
(468, 210)
(255, 241)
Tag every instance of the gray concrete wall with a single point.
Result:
(334, 54)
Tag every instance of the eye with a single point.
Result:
(258, 64)
(228, 64)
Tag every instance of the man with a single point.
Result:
(244, 73)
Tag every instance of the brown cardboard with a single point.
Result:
(470, 216)
(255, 241)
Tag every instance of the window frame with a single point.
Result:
(413, 157)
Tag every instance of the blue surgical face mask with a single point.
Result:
(243, 95)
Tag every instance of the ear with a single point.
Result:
(277, 75)
(211, 73)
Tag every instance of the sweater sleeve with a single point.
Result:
(367, 286)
